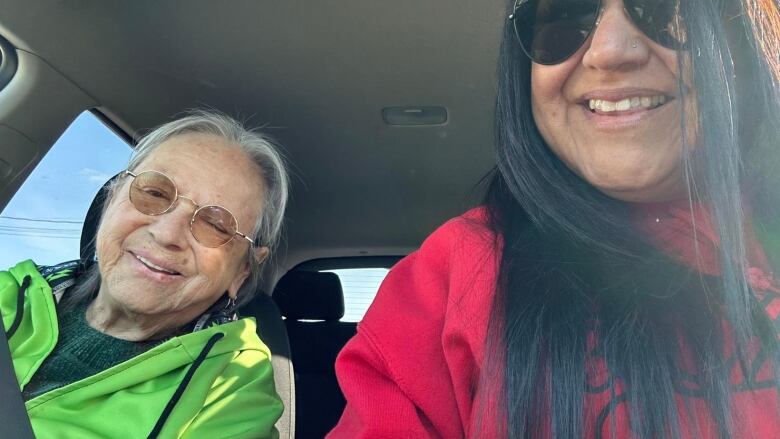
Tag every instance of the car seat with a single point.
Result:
(312, 304)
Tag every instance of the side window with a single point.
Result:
(360, 286)
(43, 220)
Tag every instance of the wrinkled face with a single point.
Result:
(612, 111)
(152, 265)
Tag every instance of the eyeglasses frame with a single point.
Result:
(512, 17)
(198, 208)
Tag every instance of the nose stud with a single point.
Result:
(634, 44)
(598, 17)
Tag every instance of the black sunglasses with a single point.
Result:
(550, 31)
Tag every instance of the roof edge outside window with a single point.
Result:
(8, 62)
(114, 127)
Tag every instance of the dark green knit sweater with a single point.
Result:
(81, 351)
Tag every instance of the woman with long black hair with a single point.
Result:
(618, 281)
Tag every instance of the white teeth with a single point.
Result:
(626, 104)
(623, 105)
(156, 267)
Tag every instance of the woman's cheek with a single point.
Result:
(114, 231)
(108, 251)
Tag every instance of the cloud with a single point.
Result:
(94, 175)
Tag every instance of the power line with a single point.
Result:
(39, 220)
(39, 235)
(38, 229)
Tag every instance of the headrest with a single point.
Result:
(91, 223)
(310, 295)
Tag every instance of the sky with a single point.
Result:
(54, 199)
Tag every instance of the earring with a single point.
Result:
(230, 309)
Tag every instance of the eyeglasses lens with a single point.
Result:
(550, 31)
(660, 20)
(213, 226)
(153, 193)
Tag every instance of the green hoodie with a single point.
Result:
(230, 393)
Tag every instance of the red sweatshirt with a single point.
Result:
(413, 369)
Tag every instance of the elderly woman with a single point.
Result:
(618, 281)
(146, 342)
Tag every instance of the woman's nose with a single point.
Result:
(616, 43)
(171, 229)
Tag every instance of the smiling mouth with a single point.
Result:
(627, 105)
(155, 268)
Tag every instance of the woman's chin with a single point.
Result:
(652, 194)
(638, 186)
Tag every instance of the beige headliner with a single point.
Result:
(317, 74)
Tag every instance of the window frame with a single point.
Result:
(85, 243)
(114, 127)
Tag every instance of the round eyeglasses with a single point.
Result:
(154, 193)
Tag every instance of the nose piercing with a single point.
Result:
(634, 44)
(598, 17)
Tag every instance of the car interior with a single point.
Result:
(382, 109)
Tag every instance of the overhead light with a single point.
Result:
(415, 115)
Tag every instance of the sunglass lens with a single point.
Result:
(213, 226)
(152, 193)
(660, 20)
(552, 30)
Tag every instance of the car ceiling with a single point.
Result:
(316, 75)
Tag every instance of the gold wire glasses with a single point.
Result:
(154, 193)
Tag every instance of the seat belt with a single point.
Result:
(13, 415)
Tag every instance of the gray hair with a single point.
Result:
(260, 149)
(263, 153)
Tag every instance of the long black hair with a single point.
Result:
(574, 262)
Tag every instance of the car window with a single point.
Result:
(43, 220)
(360, 286)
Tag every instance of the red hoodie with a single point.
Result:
(413, 369)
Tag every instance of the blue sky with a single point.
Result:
(56, 196)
